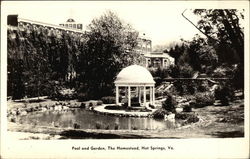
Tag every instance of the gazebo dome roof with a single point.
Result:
(70, 20)
(134, 74)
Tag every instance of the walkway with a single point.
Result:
(101, 109)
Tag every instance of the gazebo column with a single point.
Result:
(129, 97)
(144, 98)
(139, 94)
(117, 95)
(153, 95)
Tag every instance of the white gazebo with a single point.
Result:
(138, 77)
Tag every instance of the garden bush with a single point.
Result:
(170, 103)
(113, 107)
(188, 117)
(98, 125)
(82, 97)
(203, 99)
(224, 94)
(187, 108)
(108, 100)
(160, 113)
(151, 106)
(83, 105)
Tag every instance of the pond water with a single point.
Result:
(90, 120)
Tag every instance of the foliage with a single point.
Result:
(226, 34)
(108, 100)
(113, 107)
(223, 26)
(224, 93)
(159, 74)
(108, 49)
(187, 108)
(203, 99)
(170, 103)
(160, 113)
(36, 55)
(88, 62)
(180, 71)
(82, 97)
(188, 117)
(222, 48)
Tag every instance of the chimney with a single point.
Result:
(12, 20)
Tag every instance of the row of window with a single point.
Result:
(74, 26)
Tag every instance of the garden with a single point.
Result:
(61, 84)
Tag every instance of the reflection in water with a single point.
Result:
(88, 120)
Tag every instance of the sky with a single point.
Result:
(161, 20)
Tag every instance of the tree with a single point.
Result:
(109, 48)
(223, 26)
(225, 32)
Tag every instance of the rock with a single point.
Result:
(65, 107)
(217, 103)
(13, 120)
(178, 110)
(14, 112)
(170, 117)
(23, 112)
(44, 109)
(29, 109)
(17, 112)
(56, 108)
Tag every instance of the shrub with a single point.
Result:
(91, 104)
(76, 126)
(135, 104)
(82, 97)
(108, 100)
(134, 100)
(203, 99)
(192, 118)
(224, 94)
(188, 117)
(107, 127)
(113, 107)
(170, 103)
(83, 105)
(187, 108)
(99, 102)
(116, 126)
(98, 125)
(160, 113)
(151, 106)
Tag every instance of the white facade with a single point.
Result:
(158, 60)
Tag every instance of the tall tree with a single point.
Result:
(223, 26)
(109, 48)
(225, 32)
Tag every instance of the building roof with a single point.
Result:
(158, 55)
(134, 74)
(70, 20)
